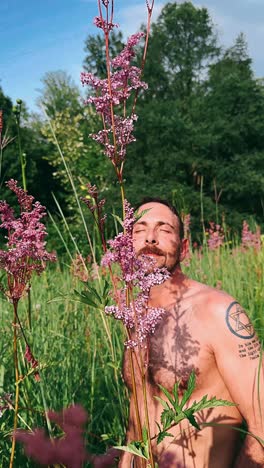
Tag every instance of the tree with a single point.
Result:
(71, 122)
(184, 42)
(231, 132)
(38, 171)
(200, 121)
(58, 93)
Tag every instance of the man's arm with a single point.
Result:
(240, 362)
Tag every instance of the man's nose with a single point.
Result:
(151, 238)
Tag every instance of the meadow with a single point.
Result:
(79, 348)
(58, 347)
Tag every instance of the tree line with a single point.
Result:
(200, 132)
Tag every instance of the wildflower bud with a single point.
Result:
(19, 101)
(15, 110)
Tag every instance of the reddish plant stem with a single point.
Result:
(15, 304)
(143, 61)
(119, 173)
(142, 369)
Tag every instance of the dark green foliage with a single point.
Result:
(38, 171)
(200, 129)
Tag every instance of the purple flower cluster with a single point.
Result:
(113, 92)
(138, 274)
(249, 238)
(25, 242)
(106, 26)
(216, 236)
(68, 450)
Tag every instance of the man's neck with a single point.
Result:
(175, 285)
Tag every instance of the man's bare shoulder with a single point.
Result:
(225, 318)
(210, 299)
(216, 307)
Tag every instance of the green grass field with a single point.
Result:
(80, 349)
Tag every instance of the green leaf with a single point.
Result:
(190, 388)
(106, 288)
(131, 448)
(144, 435)
(162, 435)
(189, 415)
(162, 402)
(118, 219)
(85, 299)
(94, 293)
(168, 395)
(138, 215)
(212, 403)
(167, 417)
(175, 394)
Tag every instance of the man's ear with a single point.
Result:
(184, 249)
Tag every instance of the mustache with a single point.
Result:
(150, 250)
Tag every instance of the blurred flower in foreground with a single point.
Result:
(69, 449)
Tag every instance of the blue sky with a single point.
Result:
(37, 36)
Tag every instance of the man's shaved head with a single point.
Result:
(165, 202)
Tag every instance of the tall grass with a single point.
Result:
(78, 364)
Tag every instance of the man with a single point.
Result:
(204, 330)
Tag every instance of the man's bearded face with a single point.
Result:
(156, 234)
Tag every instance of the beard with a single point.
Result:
(169, 262)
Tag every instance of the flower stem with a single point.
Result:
(134, 388)
(22, 157)
(143, 61)
(144, 388)
(17, 386)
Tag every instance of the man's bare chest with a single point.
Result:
(178, 347)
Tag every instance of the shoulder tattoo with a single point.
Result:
(238, 322)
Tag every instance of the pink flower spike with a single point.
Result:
(103, 24)
(25, 252)
(216, 236)
(249, 238)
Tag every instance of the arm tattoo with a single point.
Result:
(238, 322)
(240, 325)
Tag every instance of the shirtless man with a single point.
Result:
(204, 330)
